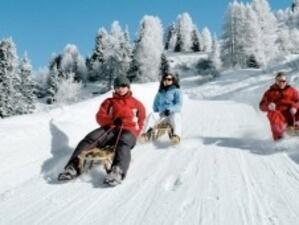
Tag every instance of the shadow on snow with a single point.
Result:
(256, 146)
(61, 152)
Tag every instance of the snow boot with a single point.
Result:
(115, 176)
(175, 139)
(68, 174)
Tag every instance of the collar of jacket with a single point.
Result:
(167, 88)
(128, 95)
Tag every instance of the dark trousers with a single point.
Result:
(104, 136)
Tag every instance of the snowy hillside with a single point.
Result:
(226, 170)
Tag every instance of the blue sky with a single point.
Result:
(42, 27)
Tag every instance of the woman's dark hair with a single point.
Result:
(175, 82)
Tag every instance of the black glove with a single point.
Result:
(118, 121)
(166, 112)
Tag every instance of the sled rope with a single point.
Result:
(118, 138)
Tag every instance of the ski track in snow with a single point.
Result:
(226, 170)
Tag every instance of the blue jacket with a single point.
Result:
(170, 99)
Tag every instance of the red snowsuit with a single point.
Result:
(129, 109)
(284, 100)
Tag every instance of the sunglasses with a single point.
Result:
(168, 79)
(282, 81)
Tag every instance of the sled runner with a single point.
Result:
(161, 129)
(103, 156)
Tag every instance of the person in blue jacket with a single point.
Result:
(167, 106)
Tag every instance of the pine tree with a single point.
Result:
(147, 51)
(195, 40)
(170, 38)
(252, 37)
(126, 49)
(206, 40)
(8, 68)
(288, 29)
(179, 42)
(232, 50)
(215, 56)
(117, 54)
(184, 28)
(52, 83)
(164, 68)
(295, 6)
(134, 69)
(269, 29)
(27, 87)
(72, 63)
(97, 57)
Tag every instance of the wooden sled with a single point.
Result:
(103, 156)
(153, 134)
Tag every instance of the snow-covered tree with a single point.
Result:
(288, 29)
(252, 35)
(232, 51)
(95, 61)
(62, 66)
(286, 41)
(242, 38)
(68, 90)
(269, 29)
(111, 56)
(179, 42)
(135, 68)
(122, 47)
(147, 52)
(170, 39)
(164, 68)
(73, 63)
(117, 54)
(294, 39)
(184, 27)
(8, 77)
(214, 55)
(295, 6)
(40, 77)
(126, 49)
(206, 40)
(27, 97)
(196, 47)
(52, 83)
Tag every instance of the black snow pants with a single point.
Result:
(104, 136)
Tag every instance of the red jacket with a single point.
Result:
(283, 98)
(129, 109)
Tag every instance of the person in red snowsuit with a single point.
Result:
(281, 102)
(121, 118)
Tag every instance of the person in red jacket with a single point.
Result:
(280, 102)
(121, 118)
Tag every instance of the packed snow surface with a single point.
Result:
(226, 171)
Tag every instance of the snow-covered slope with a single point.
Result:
(226, 170)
